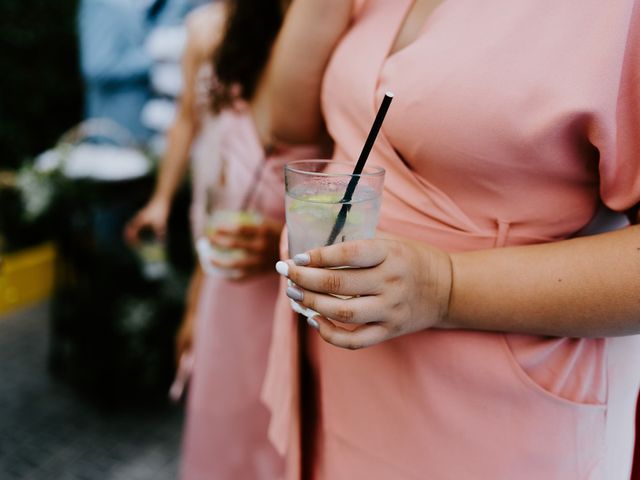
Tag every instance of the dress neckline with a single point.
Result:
(406, 10)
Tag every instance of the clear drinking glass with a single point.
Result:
(152, 254)
(314, 198)
(215, 218)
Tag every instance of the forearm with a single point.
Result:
(186, 126)
(193, 292)
(583, 287)
(300, 56)
(175, 162)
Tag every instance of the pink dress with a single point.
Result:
(225, 435)
(512, 121)
(226, 428)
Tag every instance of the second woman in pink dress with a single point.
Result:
(226, 427)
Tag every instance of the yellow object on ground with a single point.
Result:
(26, 276)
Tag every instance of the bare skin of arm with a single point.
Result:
(184, 337)
(294, 75)
(203, 36)
(586, 287)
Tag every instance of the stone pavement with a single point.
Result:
(47, 432)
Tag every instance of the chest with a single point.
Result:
(503, 109)
(520, 74)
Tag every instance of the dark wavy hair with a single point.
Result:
(251, 28)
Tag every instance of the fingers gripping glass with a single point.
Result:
(217, 217)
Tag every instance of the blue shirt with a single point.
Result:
(113, 61)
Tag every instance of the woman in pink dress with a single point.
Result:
(490, 343)
(226, 428)
(228, 321)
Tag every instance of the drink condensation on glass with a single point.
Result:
(314, 194)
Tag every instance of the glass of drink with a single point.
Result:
(315, 191)
(217, 217)
(152, 254)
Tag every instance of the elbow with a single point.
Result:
(287, 119)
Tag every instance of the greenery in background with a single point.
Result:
(40, 85)
(26, 205)
(112, 328)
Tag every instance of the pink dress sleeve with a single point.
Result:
(620, 164)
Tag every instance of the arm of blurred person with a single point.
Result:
(108, 51)
(287, 106)
(204, 28)
(186, 331)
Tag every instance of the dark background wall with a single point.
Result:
(40, 85)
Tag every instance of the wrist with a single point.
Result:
(446, 283)
(437, 281)
(457, 317)
(467, 307)
(160, 201)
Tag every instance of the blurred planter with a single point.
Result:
(113, 327)
(26, 277)
(18, 228)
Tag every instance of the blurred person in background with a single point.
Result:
(226, 427)
(114, 62)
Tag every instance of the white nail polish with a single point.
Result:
(290, 283)
(282, 268)
(313, 323)
(205, 256)
(307, 312)
(295, 293)
(302, 259)
(296, 307)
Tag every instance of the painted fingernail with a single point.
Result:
(294, 294)
(282, 268)
(313, 323)
(296, 307)
(290, 283)
(302, 259)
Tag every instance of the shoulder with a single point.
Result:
(204, 28)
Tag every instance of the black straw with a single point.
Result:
(341, 219)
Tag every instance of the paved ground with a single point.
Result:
(48, 433)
